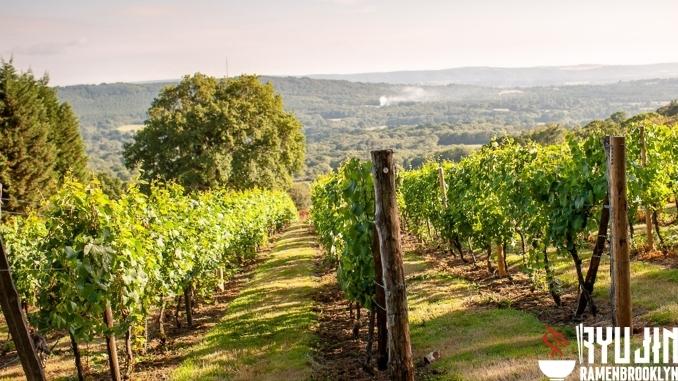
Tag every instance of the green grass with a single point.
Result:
(475, 344)
(504, 343)
(266, 333)
(654, 288)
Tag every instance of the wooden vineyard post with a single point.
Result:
(606, 146)
(443, 197)
(619, 232)
(16, 322)
(648, 213)
(380, 298)
(443, 186)
(387, 221)
(501, 261)
(187, 306)
(221, 285)
(110, 344)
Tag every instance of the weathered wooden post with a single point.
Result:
(401, 367)
(648, 212)
(221, 284)
(188, 305)
(442, 185)
(111, 347)
(619, 232)
(16, 322)
(380, 298)
(502, 271)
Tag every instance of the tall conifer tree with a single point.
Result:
(39, 140)
(64, 135)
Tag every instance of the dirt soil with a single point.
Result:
(515, 291)
(337, 354)
(667, 258)
(159, 363)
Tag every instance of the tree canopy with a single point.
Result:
(207, 132)
(39, 139)
(670, 109)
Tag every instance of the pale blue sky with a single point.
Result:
(91, 41)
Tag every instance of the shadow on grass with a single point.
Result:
(654, 292)
(475, 343)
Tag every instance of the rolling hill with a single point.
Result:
(517, 77)
(344, 118)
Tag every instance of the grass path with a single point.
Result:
(266, 333)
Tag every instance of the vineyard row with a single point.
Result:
(526, 196)
(90, 265)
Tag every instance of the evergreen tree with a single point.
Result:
(28, 171)
(64, 135)
(39, 140)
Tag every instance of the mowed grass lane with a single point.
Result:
(266, 334)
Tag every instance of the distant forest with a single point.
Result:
(343, 118)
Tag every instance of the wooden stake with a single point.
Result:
(619, 232)
(161, 322)
(111, 347)
(16, 322)
(401, 367)
(501, 261)
(222, 284)
(613, 287)
(188, 306)
(648, 212)
(380, 299)
(443, 186)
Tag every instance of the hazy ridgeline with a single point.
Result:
(343, 118)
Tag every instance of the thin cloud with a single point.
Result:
(345, 2)
(153, 10)
(353, 6)
(47, 48)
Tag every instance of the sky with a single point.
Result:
(93, 41)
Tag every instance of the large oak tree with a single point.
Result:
(206, 132)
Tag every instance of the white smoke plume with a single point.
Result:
(407, 94)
